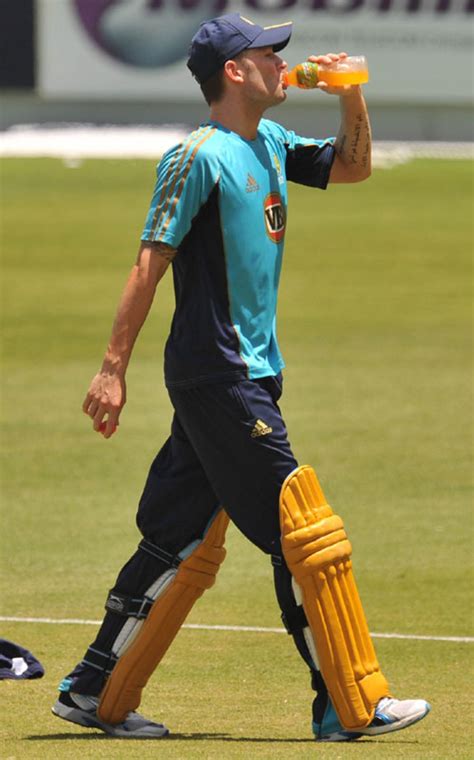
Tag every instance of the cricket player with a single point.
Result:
(218, 215)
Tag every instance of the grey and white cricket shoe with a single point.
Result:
(390, 715)
(394, 714)
(82, 710)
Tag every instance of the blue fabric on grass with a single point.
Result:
(18, 663)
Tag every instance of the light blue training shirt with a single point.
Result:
(221, 201)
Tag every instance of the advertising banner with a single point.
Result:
(419, 51)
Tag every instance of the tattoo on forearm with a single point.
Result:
(354, 148)
(355, 142)
(366, 154)
(341, 144)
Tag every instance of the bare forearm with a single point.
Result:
(354, 142)
(107, 392)
(134, 306)
(132, 311)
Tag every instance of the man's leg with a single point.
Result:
(243, 447)
(243, 444)
(241, 441)
(222, 417)
(318, 553)
(295, 622)
(176, 507)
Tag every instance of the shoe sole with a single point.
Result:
(339, 736)
(81, 718)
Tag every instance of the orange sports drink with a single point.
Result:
(350, 70)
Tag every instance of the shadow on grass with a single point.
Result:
(171, 737)
(203, 737)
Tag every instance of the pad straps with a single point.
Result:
(196, 573)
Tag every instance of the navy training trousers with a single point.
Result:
(228, 448)
(218, 456)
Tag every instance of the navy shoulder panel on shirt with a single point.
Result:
(310, 164)
(308, 159)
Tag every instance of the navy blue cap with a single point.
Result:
(224, 37)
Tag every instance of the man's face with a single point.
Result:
(263, 70)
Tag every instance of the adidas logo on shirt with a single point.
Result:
(260, 428)
(252, 185)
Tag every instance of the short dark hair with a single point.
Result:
(213, 88)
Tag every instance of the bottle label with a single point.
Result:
(307, 75)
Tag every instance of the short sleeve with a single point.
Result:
(186, 176)
(309, 161)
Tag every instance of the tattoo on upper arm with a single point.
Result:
(164, 250)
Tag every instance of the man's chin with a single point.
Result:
(278, 98)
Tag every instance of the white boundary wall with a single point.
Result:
(78, 142)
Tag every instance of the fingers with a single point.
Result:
(93, 401)
(341, 90)
(87, 403)
(108, 428)
(106, 422)
(99, 416)
(328, 58)
(96, 409)
(105, 419)
(109, 425)
(104, 402)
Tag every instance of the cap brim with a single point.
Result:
(276, 37)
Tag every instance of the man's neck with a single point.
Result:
(243, 122)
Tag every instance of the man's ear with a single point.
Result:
(234, 71)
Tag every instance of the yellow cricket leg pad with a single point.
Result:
(122, 692)
(317, 552)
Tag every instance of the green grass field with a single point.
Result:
(374, 322)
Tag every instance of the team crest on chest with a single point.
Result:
(275, 217)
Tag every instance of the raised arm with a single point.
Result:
(354, 142)
(107, 392)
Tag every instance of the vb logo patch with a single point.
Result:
(274, 217)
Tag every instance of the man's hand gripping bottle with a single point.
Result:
(346, 71)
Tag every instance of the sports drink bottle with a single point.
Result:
(350, 70)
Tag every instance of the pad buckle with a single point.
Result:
(127, 606)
